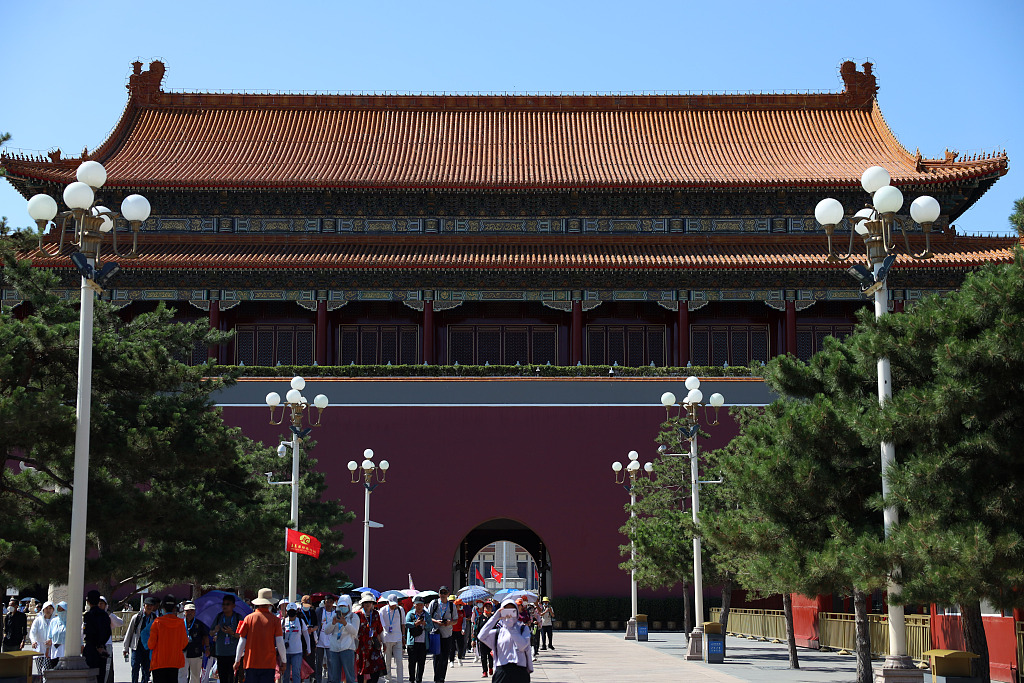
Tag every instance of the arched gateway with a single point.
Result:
(495, 530)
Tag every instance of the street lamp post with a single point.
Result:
(370, 473)
(691, 404)
(298, 405)
(631, 472)
(91, 224)
(878, 225)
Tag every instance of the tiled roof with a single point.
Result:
(444, 253)
(206, 140)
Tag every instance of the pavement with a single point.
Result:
(605, 657)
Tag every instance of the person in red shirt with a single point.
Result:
(261, 643)
(167, 641)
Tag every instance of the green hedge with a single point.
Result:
(484, 371)
(573, 608)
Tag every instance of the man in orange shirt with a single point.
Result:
(167, 641)
(261, 645)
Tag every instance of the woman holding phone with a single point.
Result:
(509, 639)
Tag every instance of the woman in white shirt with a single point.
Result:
(510, 641)
(295, 637)
(342, 630)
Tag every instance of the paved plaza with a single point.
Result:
(589, 657)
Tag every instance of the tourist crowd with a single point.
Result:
(331, 641)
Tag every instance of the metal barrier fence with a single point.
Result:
(838, 631)
(1020, 650)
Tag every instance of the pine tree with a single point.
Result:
(174, 493)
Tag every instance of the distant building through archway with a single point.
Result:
(515, 550)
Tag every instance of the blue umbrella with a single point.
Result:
(397, 594)
(471, 593)
(364, 589)
(209, 606)
(500, 595)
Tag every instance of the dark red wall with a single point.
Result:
(453, 468)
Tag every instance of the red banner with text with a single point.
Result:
(304, 544)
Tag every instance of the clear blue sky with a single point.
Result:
(951, 74)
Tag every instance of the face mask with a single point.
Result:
(291, 613)
(343, 609)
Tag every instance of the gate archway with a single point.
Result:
(501, 529)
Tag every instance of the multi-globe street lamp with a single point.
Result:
(373, 476)
(91, 223)
(691, 427)
(627, 476)
(878, 224)
(298, 405)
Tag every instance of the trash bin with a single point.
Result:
(16, 665)
(641, 627)
(953, 666)
(714, 643)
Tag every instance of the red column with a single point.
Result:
(321, 332)
(576, 354)
(214, 350)
(683, 333)
(791, 326)
(428, 332)
(897, 306)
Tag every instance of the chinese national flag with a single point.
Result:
(536, 574)
(298, 542)
(479, 576)
(496, 574)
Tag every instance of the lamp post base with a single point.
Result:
(899, 669)
(70, 670)
(631, 629)
(695, 651)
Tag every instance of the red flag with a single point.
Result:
(479, 576)
(298, 542)
(496, 574)
(411, 586)
(535, 574)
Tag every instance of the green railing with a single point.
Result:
(838, 631)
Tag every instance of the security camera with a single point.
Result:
(663, 449)
(282, 451)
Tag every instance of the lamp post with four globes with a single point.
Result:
(631, 471)
(878, 223)
(298, 405)
(91, 224)
(689, 430)
(370, 471)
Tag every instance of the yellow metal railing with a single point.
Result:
(1020, 650)
(839, 632)
(118, 631)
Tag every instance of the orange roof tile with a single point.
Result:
(275, 252)
(204, 140)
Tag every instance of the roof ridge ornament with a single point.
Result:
(861, 87)
(143, 86)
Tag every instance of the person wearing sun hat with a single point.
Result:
(547, 616)
(261, 642)
(392, 617)
(369, 652)
(418, 626)
(341, 632)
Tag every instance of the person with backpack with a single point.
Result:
(135, 643)
(224, 636)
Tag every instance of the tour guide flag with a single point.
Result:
(298, 542)
(496, 574)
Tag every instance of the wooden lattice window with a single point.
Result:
(269, 345)
(811, 338)
(625, 344)
(378, 344)
(502, 344)
(732, 344)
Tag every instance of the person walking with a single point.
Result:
(224, 633)
(442, 613)
(115, 621)
(486, 658)
(369, 652)
(509, 639)
(308, 614)
(342, 634)
(15, 628)
(324, 615)
(547, 620)
(134, 642)
(392, 617)
(198, 646)
(458, 646)
(37, 634)
(296, 641)
(260, 643)
(96, 632)
(418, 627)
(57, 632)
(167, 641)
